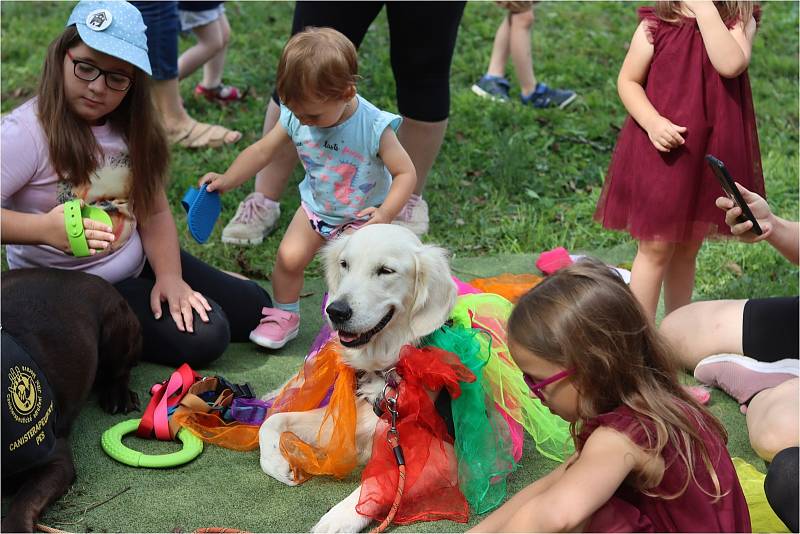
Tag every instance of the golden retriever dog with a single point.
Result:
(385, 290)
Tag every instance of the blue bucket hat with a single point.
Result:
(113, 27)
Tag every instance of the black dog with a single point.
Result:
(62, 332)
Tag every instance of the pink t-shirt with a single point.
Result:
(29, 184)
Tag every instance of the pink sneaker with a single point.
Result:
(277, 328)
(742, 377)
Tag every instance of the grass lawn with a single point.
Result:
(509, 181)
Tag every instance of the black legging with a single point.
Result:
(423, 37)
(781, 486)
(235, 310)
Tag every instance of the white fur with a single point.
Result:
(373, 270)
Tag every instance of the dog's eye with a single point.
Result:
(384, 270)
(343, 264)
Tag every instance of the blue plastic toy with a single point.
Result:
(202, 209)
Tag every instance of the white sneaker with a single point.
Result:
(414, 215)
(255, 218)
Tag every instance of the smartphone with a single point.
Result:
(727, 183)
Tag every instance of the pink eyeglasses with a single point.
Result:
(537, 387)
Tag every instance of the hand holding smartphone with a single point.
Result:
(729, 186)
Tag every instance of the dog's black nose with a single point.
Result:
(339, 311)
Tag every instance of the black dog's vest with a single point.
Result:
(29, 410)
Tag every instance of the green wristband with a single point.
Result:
(73, 222)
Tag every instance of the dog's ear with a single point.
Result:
(434, 290)
(330, 260)
(120, 343)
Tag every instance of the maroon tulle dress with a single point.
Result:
(669, 196)
(630, 510)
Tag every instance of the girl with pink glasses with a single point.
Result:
(649, 457)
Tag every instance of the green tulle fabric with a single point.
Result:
(503, 380)
(483, 441)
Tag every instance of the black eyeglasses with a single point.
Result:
(89, 73)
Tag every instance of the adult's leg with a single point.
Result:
(772, 419)
(704, 328)
(679, 276)
(781, 487)
(163, 26)
(421, 53)
(520, 46)
(647, 273)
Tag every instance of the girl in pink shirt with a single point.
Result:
(93, 134)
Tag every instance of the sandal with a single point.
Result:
(221, 94)
(202, 135)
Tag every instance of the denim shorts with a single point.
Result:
(163, 26)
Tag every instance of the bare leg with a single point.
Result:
(167, 97)
(772, 419)
(295, 252)
(41, 487)
(701, 329)
(209, 44)
(679, 276)
(648, 271)
(521, 24)
(422, 141)
(271, 181)
(500, 49)
(214, 67)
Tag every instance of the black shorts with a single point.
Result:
(771, 328)
(422, 40)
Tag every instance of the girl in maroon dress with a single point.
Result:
(684, 82)
(649, 458)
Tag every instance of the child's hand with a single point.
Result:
(375, 215)
(664, 134)
(697, 6)
(98, 236)
(216, 182)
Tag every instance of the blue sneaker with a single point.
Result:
(492, 87)
(546, 97)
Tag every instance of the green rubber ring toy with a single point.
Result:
(73, 222)
(111, 442)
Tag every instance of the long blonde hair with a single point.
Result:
(585, 318)
(730, 12)
(74, 152)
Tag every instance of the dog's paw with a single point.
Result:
(341, 518)
(14, 523)
(115, 400)
(272, 461)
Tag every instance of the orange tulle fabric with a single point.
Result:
(507, 285)
(336, 453)
(431, 488)
(212, 429)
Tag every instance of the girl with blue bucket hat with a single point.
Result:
(84, 171)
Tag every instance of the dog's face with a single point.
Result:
(385, 286)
